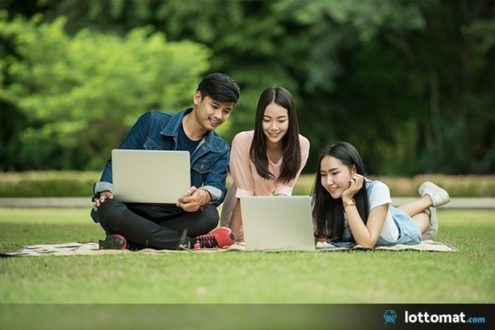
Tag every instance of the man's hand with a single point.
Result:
(194, 200)
(104, 195)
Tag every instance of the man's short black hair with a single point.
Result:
(219, 87)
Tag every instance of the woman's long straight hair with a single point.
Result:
(329, 212)
(291, 147)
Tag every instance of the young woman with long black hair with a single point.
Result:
(267, 160)
(350, 208)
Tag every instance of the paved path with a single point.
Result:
(457, 203)
(85, 202)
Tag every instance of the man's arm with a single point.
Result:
(213, 189)
(215, 180)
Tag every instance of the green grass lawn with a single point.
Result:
(237, 277)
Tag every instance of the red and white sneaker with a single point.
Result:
(217, 238)
(113, 242)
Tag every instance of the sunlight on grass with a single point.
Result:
(292, 277)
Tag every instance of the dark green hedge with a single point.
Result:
(48, 184)
(79, 184)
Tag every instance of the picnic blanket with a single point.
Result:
(73, 248)
(426, 245)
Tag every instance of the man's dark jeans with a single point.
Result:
(155, 226)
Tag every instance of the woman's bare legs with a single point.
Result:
(416, 207)
(423, 211)
(418, 211)
(422, 221)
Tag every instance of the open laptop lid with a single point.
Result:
(150, 176)
(281, 223)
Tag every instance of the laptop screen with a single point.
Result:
(150, 176)
(277, 223)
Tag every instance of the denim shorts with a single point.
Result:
(409, 232)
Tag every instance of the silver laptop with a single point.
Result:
(150, 176)
(277, 223)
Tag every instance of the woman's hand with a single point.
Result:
(357, 182)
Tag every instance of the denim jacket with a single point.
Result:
(160, 131)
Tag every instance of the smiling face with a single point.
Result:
(335, 176)
(275, 123)
(210, 114)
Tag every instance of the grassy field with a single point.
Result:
(236, 277)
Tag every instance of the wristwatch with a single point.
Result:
(349, 203)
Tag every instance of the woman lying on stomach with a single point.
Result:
(347, 207)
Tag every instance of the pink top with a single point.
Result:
(247, 181)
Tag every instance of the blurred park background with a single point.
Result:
(410, 83)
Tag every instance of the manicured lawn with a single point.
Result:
(236, 277)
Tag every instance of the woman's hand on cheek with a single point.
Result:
(356, 183)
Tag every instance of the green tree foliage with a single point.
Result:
(410, 83)
(79, 94)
